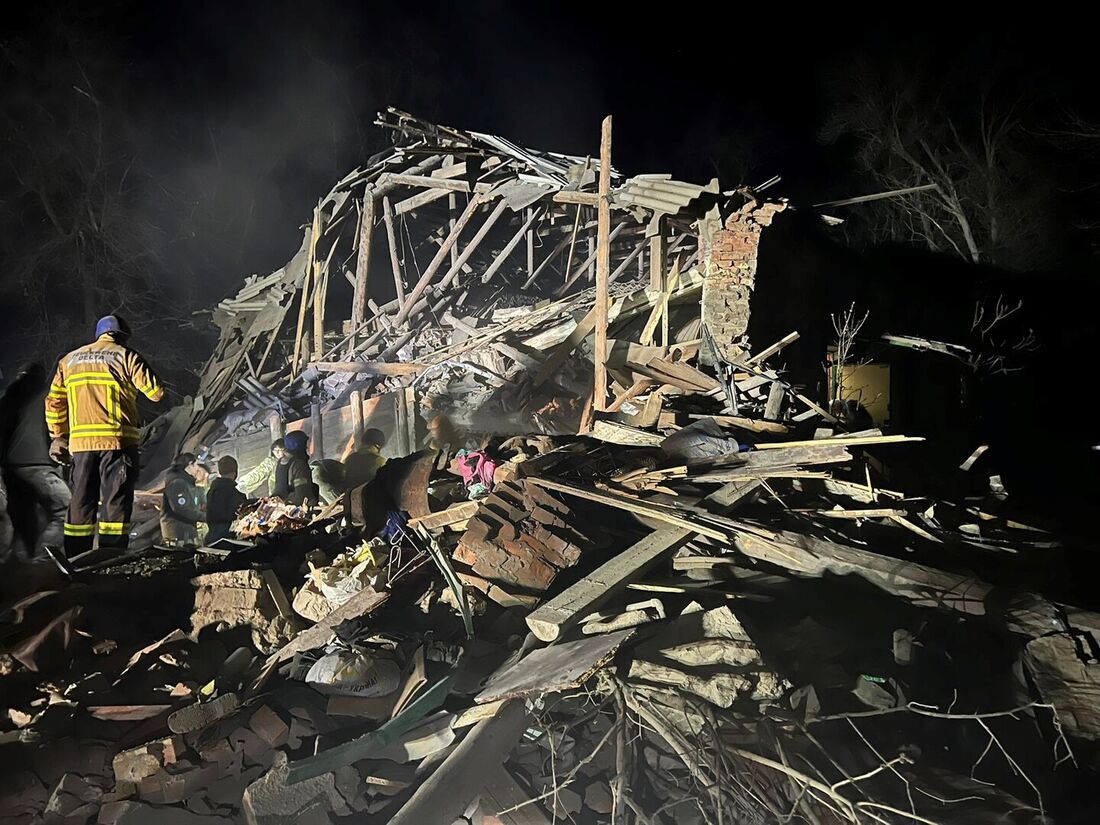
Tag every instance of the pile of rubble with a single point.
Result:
(697, 600)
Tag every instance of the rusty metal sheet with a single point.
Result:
(401, 483)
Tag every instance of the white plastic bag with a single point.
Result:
(350, 572)
(352, 671)
(342, 589)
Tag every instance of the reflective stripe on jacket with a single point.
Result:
(93, 397)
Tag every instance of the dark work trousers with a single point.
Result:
(104, 477)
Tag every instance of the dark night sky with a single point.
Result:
(246, 112)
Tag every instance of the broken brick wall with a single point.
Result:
(730, 249)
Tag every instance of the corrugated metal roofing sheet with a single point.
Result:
(659, 193)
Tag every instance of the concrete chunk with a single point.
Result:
(135, 764)
(270, 801)
(245, 579)
(203, 714)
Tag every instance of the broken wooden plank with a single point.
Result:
(589, 262)
(355, 404)
(554, 617)
(578, 198)
(814, 408)
(860, 492)
(773, 409)
(750, 424)
(727, 468)
(369, 367)
(639, 248)
(545, 261)
(320, 291)
(634, 390)
(657, 256)
(452, 515)
(420, 199)
(503, 793)
(426, 182)
(678, 374)
(477, 713)
(362, 262)
(616, 433)
(847, 441)
(902, 521)
(666, 514)
(509, 247)
(361, 604)
(458, 261)
(303, 303)
(530, 235)
(871, 512)
(418, 290)
(395, 265)
(660, 307)
(555, 668)
(767, 352)
(447, 792)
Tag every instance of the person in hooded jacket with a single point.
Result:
(183, 505)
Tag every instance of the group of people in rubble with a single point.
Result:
(83, 423)
(199, 506)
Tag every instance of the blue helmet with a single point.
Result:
(296, 441)
(111, 323)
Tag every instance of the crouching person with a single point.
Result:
(223, 500)
(182, 508)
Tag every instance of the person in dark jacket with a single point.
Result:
(183, 507)
(223, 500)
(32, 478)
(298, 486)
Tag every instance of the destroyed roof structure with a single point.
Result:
(481, 239)
(701, 600)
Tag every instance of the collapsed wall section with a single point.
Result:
(729, 250)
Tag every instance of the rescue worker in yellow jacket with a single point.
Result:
(91, 412)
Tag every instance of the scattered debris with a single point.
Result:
(685, 595)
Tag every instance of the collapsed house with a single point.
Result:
(617, 567)
(490, 250)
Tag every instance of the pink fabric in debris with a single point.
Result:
(477, 467)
